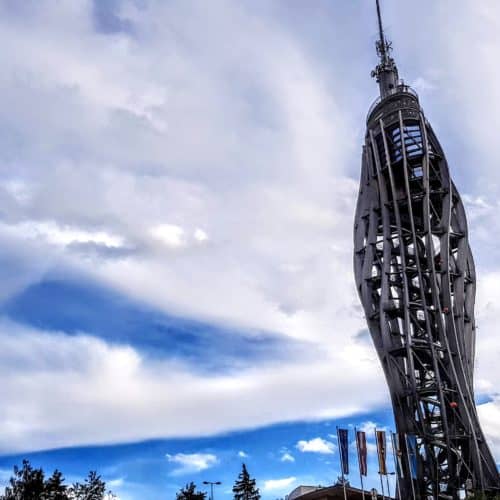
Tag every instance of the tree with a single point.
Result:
(55, 489)
(27, 483)
(189, 493)
(94, 488)
(244, 487)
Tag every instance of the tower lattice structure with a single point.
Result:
(416, 280)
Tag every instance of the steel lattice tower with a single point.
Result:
(415, 276)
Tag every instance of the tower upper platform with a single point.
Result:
(394, 93)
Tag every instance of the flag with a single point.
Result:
(398, 453)
(343, 437)
(362, 452)
(381, 452)
(411, 441)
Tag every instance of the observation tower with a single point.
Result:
(415, 276)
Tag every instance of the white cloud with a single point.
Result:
(266, 168)
(422, 85)
(192, 462)
(5, 475)
(287, 457)
(55, 234)
(166, 156)
(487, 372)
(316, 445)
(242, 454)
(115, 483)
(18, 189)
(369, 427)
(105, 382)
(200, 235)
(169, 234)
(489, 413)
(279, 484)
(155, 160)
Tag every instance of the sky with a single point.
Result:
(177, 189)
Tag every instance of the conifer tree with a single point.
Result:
(244, 487)
(27, 483)
(55, 489)
(189, 493)
(94, 488)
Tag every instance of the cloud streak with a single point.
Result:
(316, 445)
(279, 484)
(95, 384)
(287, 457)
(192, 462)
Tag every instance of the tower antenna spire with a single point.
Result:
(386, 72)
(381, 43)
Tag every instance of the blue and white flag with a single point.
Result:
(343, 437)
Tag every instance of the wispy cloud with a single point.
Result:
(192, 462)
(369, 427)
(287, 457)
(278, 484)
(169, 234)
(115, 483)
(116, 379)
(316, 445)
(56, 234)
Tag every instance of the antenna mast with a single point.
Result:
(386, 72)
(381, 43)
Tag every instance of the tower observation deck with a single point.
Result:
(415, 276)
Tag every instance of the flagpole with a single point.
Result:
(388, 487)
(379, 473)
(341, 464)
(396, 463)
(409, 466)
(359, 463)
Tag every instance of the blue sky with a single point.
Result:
(177, 190)
(159, 468)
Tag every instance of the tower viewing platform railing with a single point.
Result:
(401, 88)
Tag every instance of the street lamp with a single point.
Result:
(211, 483)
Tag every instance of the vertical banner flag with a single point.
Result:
(411, 441)
(398, 454)
(362, 452)
(344, 449)
(381, 452)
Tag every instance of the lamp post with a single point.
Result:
(211, 483)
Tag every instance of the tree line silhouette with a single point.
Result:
(29, 483)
